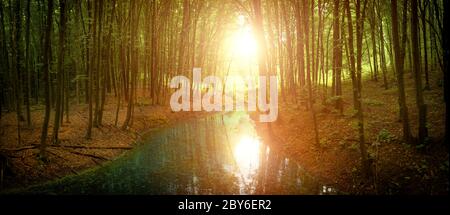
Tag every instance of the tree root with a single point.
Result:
(87, 155)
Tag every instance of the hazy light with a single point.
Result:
(246, 153)
(244, 42)
(241, 20)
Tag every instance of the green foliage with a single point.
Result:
(354, 146)
(355, 125)
(323, 143)
(384, 136)
(351, 112)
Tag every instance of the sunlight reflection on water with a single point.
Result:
(215, 155)
(246, 154)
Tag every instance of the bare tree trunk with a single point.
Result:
(134, 15)
(423, 131)
(16, 58)
(446, 70)
(300, 45)
(337, 56)
(382, 50)
(99, 78)
(424, 35)
(92, 31)
(309, 57)
(373, 23)
(27, 64)
(357, 94)
(46, 69)
(399, 62)
(60, 92)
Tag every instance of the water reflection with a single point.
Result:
(214, 155)
(246, 153)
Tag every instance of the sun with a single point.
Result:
(244, 42)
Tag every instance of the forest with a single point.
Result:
(85, 87)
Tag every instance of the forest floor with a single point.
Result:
(74, 152)
(399, 168)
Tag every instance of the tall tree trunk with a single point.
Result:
(424, 35)
(360, 17)
(399, 62)
(46, 70)
(27, 63)
(446, 70)
(5, 64)
(356, 94)
(337, 56)
(300, 45)
(60, 92)
(289, 48)
(90, 67)
(98, 68)
(16, 56)
(382, 50)
(310, 57)
(423, 131)
(134, 60)
(373, 23)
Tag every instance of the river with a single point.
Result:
(220, 154)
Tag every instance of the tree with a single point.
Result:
(423, 11)
(16, 57)
(309, 58)
(399, 62)
(382, 49)
(27, 63)
(134, 19)
(421, 107)
(446, 70)
(337, 56)
(356, 93)
(60, 92)
(46, 70)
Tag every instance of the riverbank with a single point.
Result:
(75, 153)
(399, 168)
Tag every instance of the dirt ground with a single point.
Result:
(74, 152)
(398, 168)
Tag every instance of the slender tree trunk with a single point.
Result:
(27, 63)
(300, 45)
(90, 51)
(308, 73)
(360, 17)
(16, 56)
(60, 92)
(134, 60)
(337, 56)
(374, 44)
(382, 50)
(356, 94)
(99, 78)
(399, 62)
(46, 70)
(425, 51)
(446, 70)
(423, 131)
